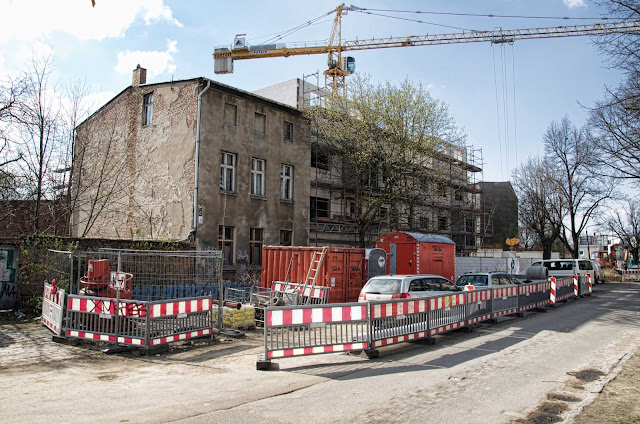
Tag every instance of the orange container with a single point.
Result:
(98, 272)
(342, 269)
(417, 253)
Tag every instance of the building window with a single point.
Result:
(225, 243)
(285, 237)
(350, 210)
(286, 182)
(288, 131)
(469, 225)
(319, 157)
(228, 172)
(257, 176)
(255, 246)
(148, 109)
(424, 222)
(260, 122)
(230, 114)
(319, 207)
(442, 223)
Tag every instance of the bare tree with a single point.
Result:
(615, 121)
(540, 221)
(99, 176)
(38, 125)
(574, 167)
(626, 226)
(623, 49)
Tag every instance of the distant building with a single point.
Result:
(501, 207)
(194, 159)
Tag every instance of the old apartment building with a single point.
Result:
(450, 203)
(194, 159)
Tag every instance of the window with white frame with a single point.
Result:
(286, 182)
(148, 109)
(257, 176)
(228, 172)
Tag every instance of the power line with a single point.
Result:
(480, 15)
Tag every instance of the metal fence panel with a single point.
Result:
(314, 329)
(158, 275)
(53, 308)
(478, 305)
(398, 321)
(562, 289)
(107, 320)
(505, 300)
(181, 319)
(446, 313)
(585, 285)
(60, 268)
(630, 275)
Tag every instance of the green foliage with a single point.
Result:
(388, 141)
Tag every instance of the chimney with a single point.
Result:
(139, 76)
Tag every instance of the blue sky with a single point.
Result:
(504, 97)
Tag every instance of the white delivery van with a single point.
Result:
(561, 268)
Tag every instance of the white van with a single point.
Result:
(561, 268)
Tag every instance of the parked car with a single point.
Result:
(486, 279)
(561, 268)
(598, 272)
(387, 287)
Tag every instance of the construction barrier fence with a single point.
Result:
(52, 308)
(139, 324)
(316, 329)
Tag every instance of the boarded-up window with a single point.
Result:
(230, 114)
(259, 123)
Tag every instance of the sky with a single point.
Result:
(504, 97)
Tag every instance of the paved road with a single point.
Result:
(498, 373)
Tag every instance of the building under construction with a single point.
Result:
(449, 199)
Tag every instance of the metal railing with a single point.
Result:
(306, 330)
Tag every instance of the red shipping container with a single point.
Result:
(417, 253)
(342, 269)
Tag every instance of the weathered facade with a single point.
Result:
(194, 159)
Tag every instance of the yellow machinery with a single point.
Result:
(339, 67)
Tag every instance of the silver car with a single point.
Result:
(598, 272)
(388, 287)
(486, 279)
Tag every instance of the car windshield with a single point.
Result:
(474, 280)
(383, 286)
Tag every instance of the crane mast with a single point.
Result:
(336, 72)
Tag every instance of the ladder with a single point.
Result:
(312, 273)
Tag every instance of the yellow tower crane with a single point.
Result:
(338, 67)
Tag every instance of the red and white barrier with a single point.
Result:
(52, 307)
(317, 316)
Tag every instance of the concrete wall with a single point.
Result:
(474, 264)
(137, 181)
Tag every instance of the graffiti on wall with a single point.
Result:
(8, 278)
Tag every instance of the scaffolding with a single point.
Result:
(448, 203)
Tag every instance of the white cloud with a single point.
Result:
(156, 62)
(29, 20)
(574, 3)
